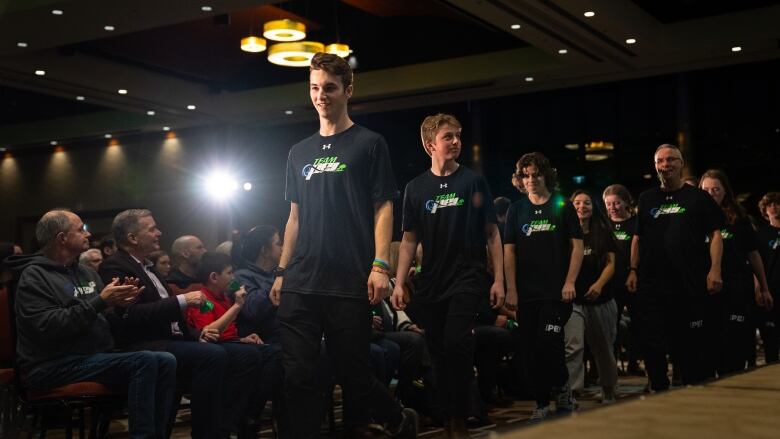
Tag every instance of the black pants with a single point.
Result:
(735, 337)
(449, 332)
(346, 324)
(492, 343)
(413, 348)
(767, 323)
(681, 326)
(628, 338)
(542, 346)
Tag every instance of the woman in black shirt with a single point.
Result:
(594, 314)
(741, 261)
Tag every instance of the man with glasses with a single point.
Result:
(543, 252)
(672, 275)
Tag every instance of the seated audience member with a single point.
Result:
(6, 250)
(18, 249)
(259, 363)
(107, 246)
(225, 247)
(185, 255)
(256, 253)
(162, 263)
(156, 321)
(64, 337)
(91, 258)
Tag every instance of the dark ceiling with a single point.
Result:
(170, 54)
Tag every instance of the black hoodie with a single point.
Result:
(58, 310)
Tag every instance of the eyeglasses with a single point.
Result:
(658, 161)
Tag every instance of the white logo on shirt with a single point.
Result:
(552, 328)
(538, 212)
(442, 186)
(669, 197)
(324, 147)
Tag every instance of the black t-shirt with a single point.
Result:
(542, 236)
(592, 266)
(335, 180)
(769, 248)
(671, 227)
(449, 215)
(739, 239)
(623, 231)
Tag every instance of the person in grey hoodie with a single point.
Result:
(63, 336)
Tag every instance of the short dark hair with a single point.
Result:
(543, 165)
(248, 245)
(501, 205)
(127, 222)
(766, 200)
(335, 65)
(212, 262)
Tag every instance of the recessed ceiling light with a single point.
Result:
(529, 79)
(122, 91)
(109, 28)
(21, 44)
(3, 149)
(647, 176)
(205, 8)
(563, 51)
(191, 107)
(40, 72)
(166, 128)
(107, 136)
(288, 112)
(56, 12)
(589, 14)
(80, 98)
(150, 113)
(515, 26)
(736, 49)
(53, 143)
(630, 40)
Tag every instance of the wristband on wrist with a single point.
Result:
(381, 263)
(380, 270)
(278, 271)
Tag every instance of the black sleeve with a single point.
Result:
(149, 307)
(381, 176)
(749, 237)
(409, 219)
(571, 223)
(509, 228)
(291, 187)
(489, 210)
(640, 217)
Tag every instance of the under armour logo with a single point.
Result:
(538, 212)
(324, 147)
(443, 185)
(669, 198)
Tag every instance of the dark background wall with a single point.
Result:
(728, 118)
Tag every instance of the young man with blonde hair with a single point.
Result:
(449, 209)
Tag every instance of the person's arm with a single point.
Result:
(763, 297)
(631, 280)
(290, 238)
(405, 255)
(606, 274)
(494, 247)
(714, 279)
(575, 263)
(379, 283)
(511, 277)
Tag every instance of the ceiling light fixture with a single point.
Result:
(56, 12)
(529, 79)
(205, 8)
(122, 91)
(21, 44)
(288, 112)
(515, 26)
(109, 28)
(563, 51)
(191, 107)
(298, 54)
(284, 30)
(53, 143)
(150, 113)
(166, 128)
(40, 72)
(80, 98)
(107, 136)
(630, 40)
(736, 49)
(339, 49)
(589, 14)
(253, 44)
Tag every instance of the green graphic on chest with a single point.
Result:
(443, 200)
(323, 164)
(667, 209)
(622, 235)
(726, 234)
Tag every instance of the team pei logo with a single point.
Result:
(323, 164)
(666, 209)
(537, 226)
(444, 200)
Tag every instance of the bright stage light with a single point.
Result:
(221, 186)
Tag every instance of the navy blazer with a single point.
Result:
(147, 322)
